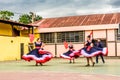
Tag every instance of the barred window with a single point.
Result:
(70, 36)
(118, 34)
(119, 29)
(47, 37)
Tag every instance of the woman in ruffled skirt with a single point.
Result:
(90, 50)
(38, 54)
(67, 55)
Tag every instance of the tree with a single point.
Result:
(37, 17)
(29, 18)
(6, 15)
(25, 18)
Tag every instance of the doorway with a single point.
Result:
(21, 49)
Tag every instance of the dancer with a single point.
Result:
(91, 50)
(99, 44)
(38, 54)
(88, 45)
(66, 55)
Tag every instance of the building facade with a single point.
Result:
(13, 40)
(75, 29)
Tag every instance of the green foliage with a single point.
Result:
(24, 18)
(6, 15)
(27, 18)
(38, 18)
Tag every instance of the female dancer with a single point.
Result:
(91, 50)
(67, 55)
(38, 54)
(88, 46)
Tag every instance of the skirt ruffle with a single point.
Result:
(92, 52)
(39, 58)
(75, 54)
(68, 55)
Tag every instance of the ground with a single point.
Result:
(60, 69)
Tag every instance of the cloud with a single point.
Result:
(7, 1)
(115, 3)
(76, 7)
(59, 8)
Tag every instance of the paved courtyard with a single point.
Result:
(60, 69)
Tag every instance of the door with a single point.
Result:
(22, 49)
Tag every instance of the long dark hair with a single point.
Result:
(94, 42)
(37, 39)
(88, 36)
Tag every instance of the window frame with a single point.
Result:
(117, 35)
(118, 30)
(47, 37)
(66, 37)
(70, 38)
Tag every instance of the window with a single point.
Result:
(118, 34)
(16, 32)
(70, 36)
(119, 29)
(104, 42)
(47, 37)
(77, 36)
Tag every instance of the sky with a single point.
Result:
(60, 8)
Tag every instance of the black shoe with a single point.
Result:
(73, 62)
(87, 65)
(36, 64)
(41, 64)
(93, 64)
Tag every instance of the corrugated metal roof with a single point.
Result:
(94, 19)
(16, 23)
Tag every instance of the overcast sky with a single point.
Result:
(59, 8)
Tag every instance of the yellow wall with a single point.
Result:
(10, 47)
(24, 33)
(11, 50)
(5, 29)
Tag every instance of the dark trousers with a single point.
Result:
(101, 58)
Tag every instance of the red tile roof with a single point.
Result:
(94, 19)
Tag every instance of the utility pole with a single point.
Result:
(33, 16)
(33, 19)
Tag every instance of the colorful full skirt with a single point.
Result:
(38, 56)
